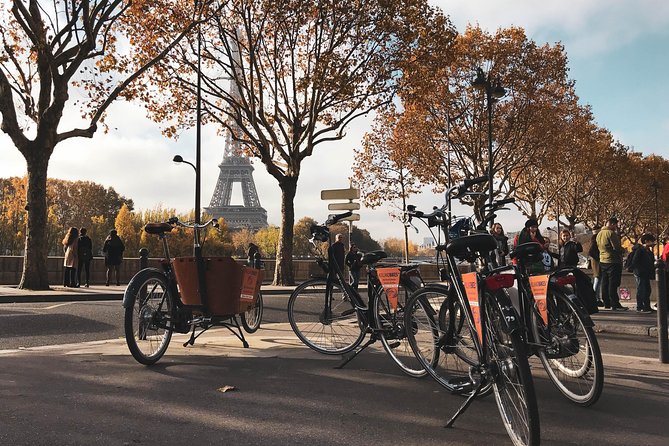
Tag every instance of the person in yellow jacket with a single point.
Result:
(610, 263)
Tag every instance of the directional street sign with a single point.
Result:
(343, 206)
(340, 194)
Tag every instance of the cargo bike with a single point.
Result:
(188, 295)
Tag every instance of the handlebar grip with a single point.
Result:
(173, 220)
(473, 181)
(335, 218)
(505, 201)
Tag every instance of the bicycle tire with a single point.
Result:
(512, 384)
(251, 319)
(149, 316)
(571, 357)
(336, 334)
(422, 314)
(392, 331)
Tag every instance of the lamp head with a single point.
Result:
(178, 159)
(480, 81)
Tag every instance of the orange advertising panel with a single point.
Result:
(390, 281)
(470, 281)
(250, 278)
(539, 286)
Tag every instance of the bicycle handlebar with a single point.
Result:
(332, 219)
(174, 221)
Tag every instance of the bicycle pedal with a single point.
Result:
(394, 344)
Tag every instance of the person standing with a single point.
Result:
(338, 252)
(85, 254)
(253, 257)
(113, 250)
(643, 266)
(354, 265)
(593, 253)
(70, 245)
(610, 263)
(530, 233)
(502, 244)
(569, 249)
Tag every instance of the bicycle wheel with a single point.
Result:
(390, 323)
(148, 316)
(251, 318)
(434, 344)
(331, 329)
(570, 353)
(512, 385)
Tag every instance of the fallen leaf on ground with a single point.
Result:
(226, 389)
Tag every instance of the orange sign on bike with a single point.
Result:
(470, 281)
(390, 281)
(249, 283)
(539, 286)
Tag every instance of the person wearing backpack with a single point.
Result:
(610, 264)
(642, 264)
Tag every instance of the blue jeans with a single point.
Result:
(355, 278)
(642, 292)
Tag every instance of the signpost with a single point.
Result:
(349, 194)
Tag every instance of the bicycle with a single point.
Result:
(331, 317)
(560, 331)
(467, 334)
(184, 297)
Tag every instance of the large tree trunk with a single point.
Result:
(35, 273)
(283, 272)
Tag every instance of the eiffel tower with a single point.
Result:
(236, 168)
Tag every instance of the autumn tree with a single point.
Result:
(454, 111)
(267, 239)
(285, 77)
(58, 57)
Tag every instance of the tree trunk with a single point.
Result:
(283, 272)
(35, 274)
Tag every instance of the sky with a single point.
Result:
(618, 53)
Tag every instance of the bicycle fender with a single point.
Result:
(511, 320)
(585, 317)
(130, 290)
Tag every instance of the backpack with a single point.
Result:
(628, 263)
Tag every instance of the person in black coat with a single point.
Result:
(338, 252)
(85, 250)
(569, 249)
(502, 244)
(643, 267)
(113, 250)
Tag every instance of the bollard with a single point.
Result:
(661, 279)
(143, 258)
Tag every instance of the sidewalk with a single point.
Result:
(621, 322)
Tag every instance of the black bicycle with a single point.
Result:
(466, 332)
(560, 331)
(331, 317)
(155, 307)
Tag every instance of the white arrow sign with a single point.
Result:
(340, 194)
(343, 206)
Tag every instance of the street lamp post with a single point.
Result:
(492, 94)
(655, 185)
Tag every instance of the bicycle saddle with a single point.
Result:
(157, 228)
(373, 257)
(527, 251)
(463, 247)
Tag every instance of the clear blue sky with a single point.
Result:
(618, 55)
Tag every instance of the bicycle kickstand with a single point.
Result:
(348, 357)
(465, 405)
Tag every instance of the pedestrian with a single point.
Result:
(569, 249)
(85, 254)
(113, 250)
(253, 257)
(70, 245)
(338, 252)
(353, 261)
(502, 244)
(643, 267)
(530, 233)
(593, 253)
(610, 263)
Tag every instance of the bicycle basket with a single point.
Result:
(231, 287)
(460, 228)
